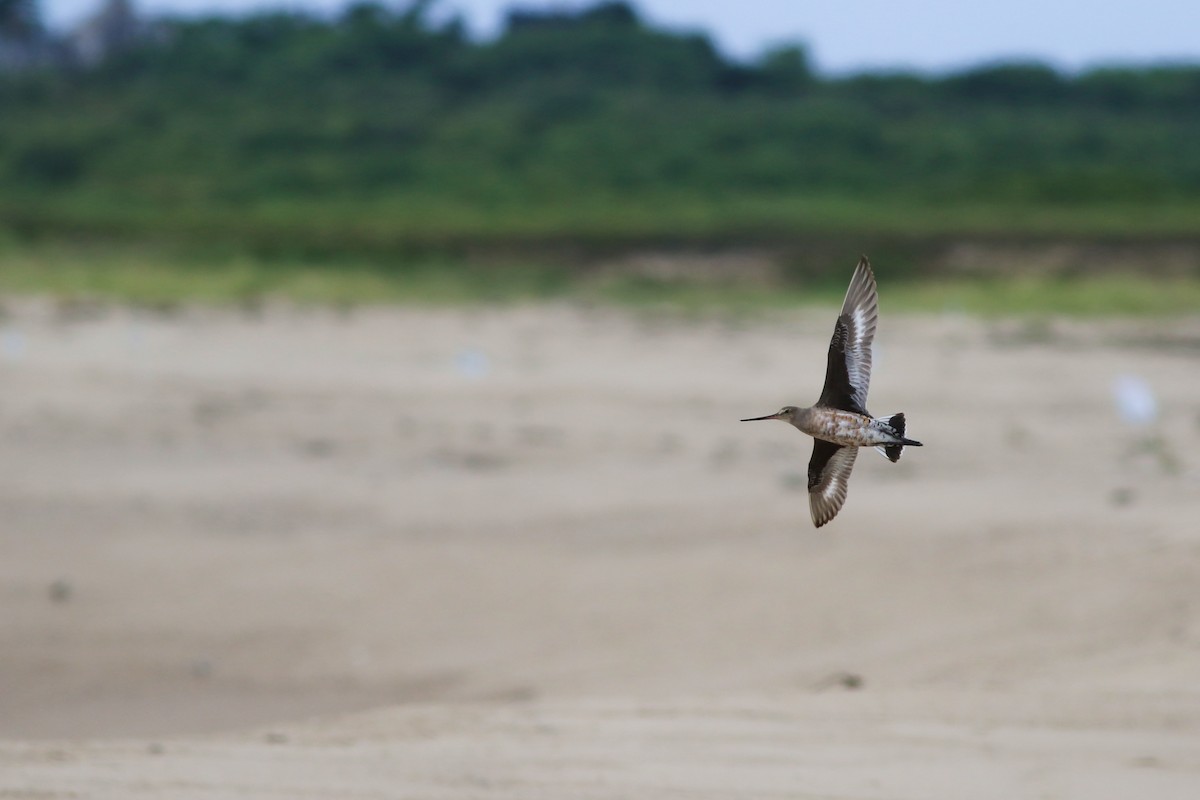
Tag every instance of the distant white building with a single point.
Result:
(23, 40)
(114, 27)
(25, 44)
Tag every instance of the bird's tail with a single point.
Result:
(896, 424)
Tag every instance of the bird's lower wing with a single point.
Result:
(828, 476)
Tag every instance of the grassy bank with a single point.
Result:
(429, 224)
(162, 277)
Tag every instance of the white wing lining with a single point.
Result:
(826, 498)
(861, 310)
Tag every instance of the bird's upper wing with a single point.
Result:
(848, 375)
(828, 476)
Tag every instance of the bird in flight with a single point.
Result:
(839, 422)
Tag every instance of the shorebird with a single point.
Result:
(839, 422)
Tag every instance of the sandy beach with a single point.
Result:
(530, 552)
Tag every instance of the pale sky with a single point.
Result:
(853, 35)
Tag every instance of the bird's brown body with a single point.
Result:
(839, 420)
(846, 428)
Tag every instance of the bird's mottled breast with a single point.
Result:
(838, 426)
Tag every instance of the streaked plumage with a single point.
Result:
(839, 422)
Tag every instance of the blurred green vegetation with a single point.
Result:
(162, 277)
(156, 275)
(390, 131)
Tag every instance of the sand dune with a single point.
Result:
(529, 552)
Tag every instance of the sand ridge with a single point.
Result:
(528, 551)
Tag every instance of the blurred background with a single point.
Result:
(359, 355)
(411, 148)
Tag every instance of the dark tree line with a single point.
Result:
(391, 114)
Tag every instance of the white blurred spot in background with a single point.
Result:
(12, 345)
(1134, 400)
(472, 363)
